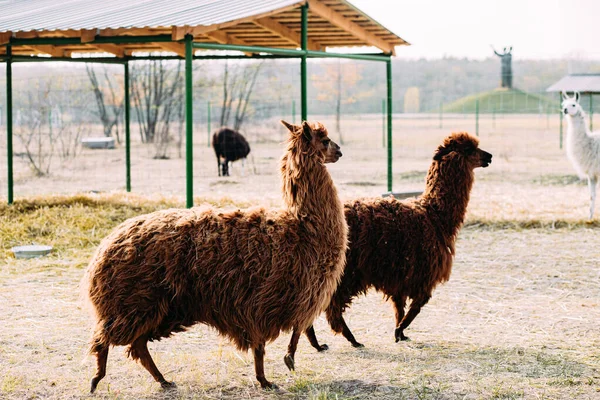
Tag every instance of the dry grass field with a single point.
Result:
(518, 318)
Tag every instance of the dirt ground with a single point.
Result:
(518, 318)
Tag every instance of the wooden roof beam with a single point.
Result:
(50, 50)
(177, 48)
(285, 32)
(339, 20)
(223, 38)
(5, 37)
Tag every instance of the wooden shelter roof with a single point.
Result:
(267, 23)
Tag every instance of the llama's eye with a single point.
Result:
(326, 142)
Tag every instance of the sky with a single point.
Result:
(537, 29)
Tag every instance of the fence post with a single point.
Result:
(561, 119)
(208, 124)
(389, 124)
(591, 112)
(477, 117)
(383, 122)
(127, 128)
(293, 111)
(189, 124)
(9, 124)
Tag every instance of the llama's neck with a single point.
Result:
(308, 190)
(576, 125)
(447, 194)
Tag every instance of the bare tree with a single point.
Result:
(237, 90)
(156, 101)
(109, 99)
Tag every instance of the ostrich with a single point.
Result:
(583, 146)
(230, 146)
(248, 273)
(405, 248)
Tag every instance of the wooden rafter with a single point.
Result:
(173, 47)
(346, 24)
(224, 38)
(285, 32)
(50, 50)
(5, 37)
(111, 48)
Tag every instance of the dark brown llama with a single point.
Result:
(248, 273)
(405, 248)
(229, 146)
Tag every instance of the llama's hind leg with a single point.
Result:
(337, 323)
(592, 183)
(259, 366)
(139, 350)
(101, 352)
(399, 305)
(312, 338)
(415, 309)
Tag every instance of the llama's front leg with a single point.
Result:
(337, 323)
(399, 304)
(288, 359)
(415, 309)
(259, 366)
(312, 338)
(592, 182)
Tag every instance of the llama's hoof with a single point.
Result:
(399, 335)
(358, 345)
(289, 362)
(94, 384)
(168, 385)
(323, 347)
(265, 384)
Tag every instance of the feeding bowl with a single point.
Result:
(31, 251)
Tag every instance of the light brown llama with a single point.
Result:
(405, 248)
(248, 273)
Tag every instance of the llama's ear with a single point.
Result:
(291, 128)
(306, 131)
(565, 96)
(577, 97)
(440, 153)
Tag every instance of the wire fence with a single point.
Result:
(56, 108)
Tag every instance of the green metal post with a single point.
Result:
(208, 123)
(303, 79)
(477, 117)
(383, 117)
(389, 124)
(293, 111)
(591, 112)
(561, 119)
(189, 124)
(9, 124)
(127, 130)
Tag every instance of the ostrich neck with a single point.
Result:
(447, 195)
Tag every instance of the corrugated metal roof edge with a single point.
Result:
(376, 22)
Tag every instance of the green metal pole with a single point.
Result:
(189, 124)
(208, 123)
(591, 112)
(127, 130)
(561, 119)
(9, 124)
(383, 117)
(477, 117)
(293, 111)
(303, 79)
(389, 124)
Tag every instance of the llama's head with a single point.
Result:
(312, 139)
(571, 106)
(462, 147)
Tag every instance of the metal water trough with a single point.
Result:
(31, 251)
(403, 195)
(99, 142)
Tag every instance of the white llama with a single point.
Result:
(583, 146)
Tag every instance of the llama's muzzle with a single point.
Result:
(486, 159)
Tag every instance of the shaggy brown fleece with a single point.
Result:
(248, 273)
(405, 248)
